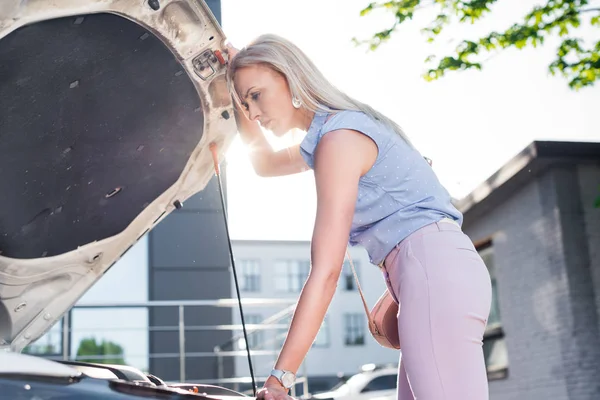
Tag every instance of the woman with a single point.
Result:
(374, 190)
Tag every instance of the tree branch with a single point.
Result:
(421, 6)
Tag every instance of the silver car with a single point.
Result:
(108, 109)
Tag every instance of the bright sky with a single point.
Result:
(469, 123)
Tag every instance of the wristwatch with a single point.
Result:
(286, 378)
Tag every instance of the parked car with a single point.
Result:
(107, 112)
(26, 377)
(372, 383)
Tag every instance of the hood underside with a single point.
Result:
(107, 109)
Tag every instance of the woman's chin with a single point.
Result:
(277, 132)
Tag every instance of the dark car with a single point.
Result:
(108, 109)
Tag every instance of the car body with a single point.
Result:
(372, 383)
(108, 109)
(24, 376)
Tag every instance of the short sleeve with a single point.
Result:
(311, 140)
(308, 146)
(360, 122)
(353, 120)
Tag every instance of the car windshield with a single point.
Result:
(354, 381)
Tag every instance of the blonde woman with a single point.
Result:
(375, 190)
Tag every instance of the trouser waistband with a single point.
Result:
(445, 224)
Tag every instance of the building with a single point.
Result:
(535, 224)
(278, 269)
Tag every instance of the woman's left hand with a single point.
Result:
(272, 391)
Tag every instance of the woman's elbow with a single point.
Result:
(261, 171)
(261, 168)
(327, 279)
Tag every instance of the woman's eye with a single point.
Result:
(255, 96)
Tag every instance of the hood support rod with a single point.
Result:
(213, 149)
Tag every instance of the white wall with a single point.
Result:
(336, 357)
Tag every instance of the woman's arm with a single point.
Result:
(341, 158)
(266, 161)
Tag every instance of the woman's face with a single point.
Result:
(266, 96)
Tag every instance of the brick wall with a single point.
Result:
(589, 183)
(581, 343)
(546, 295)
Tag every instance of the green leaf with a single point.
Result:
(367, 9)
(552, 18)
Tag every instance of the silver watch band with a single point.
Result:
(286, 378)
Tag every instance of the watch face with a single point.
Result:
(288, 379)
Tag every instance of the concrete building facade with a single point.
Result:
(536, 226)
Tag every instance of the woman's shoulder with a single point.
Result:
(359, 121)
(348, 119)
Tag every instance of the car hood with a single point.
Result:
(107, 110)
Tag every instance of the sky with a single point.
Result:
(470, 123)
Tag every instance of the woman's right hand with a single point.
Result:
(231, 51)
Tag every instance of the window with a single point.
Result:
(250, 275)
(494, 345)
(290, 275)
(255, 336)
(383, 382)
(354, 325)
(348, 280)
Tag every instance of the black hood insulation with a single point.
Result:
(97, 119)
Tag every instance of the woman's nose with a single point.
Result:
(253, 112)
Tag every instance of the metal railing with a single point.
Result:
(224, 350)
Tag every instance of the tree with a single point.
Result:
(88, 347)
(577, 61)
(40, 349)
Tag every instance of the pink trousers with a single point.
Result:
(444, 291)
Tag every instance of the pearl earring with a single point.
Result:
(296, 102)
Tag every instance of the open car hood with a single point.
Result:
(107, 110)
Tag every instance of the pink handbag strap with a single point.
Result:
(367, 311)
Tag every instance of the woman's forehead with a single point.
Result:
(254, 75)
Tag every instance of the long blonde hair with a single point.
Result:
(305, 80)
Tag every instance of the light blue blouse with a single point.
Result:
(397, 196)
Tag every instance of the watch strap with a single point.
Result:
(278, 374)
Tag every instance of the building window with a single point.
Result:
(354, 327)
(290, 275)
(255, 336)
(348, 280)
(494, 344)
(322, 339)
(250, 275)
